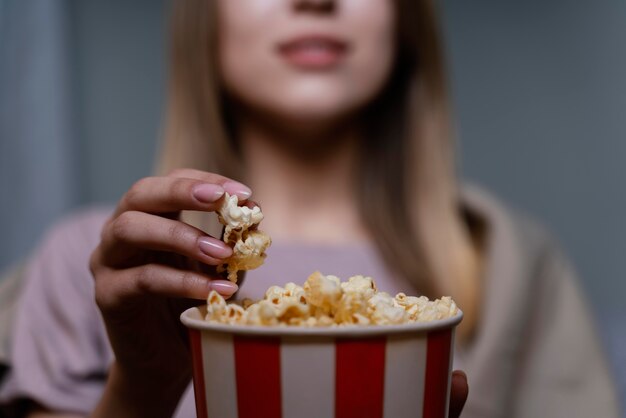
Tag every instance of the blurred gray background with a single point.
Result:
(539, 89)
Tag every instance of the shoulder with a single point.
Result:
(532, 308)
(76, 233)
(61, 257)
(523, 265)
(83, 225)
(518, 234)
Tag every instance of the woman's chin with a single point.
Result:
(313, 122)
(300, 116)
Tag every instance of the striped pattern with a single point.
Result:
(247, 376)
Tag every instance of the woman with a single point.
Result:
(334, 115)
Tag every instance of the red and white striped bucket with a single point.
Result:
(288, 372)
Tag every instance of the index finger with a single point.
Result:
(160, 195)
(232, 187)
(171, 194)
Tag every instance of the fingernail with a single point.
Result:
(214, 248)
(208, 193)
(242, 191)
(224, 288)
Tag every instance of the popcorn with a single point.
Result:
(325, 301)
(322, 292)
(248, 243)
(359, 284)
(233, 314)
(384, 310)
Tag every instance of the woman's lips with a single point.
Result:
(313, 52)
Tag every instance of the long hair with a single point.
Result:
(408, 191)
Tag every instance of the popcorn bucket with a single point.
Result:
(392, 371)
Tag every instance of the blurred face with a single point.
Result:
(311, 61)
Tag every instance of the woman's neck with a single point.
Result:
(305, 186)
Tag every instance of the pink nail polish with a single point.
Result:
(208, 193)
(214, 248)
(242, 191)
(224, 288)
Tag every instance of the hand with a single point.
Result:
(458, 393)
(149, 267)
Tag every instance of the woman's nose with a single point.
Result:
(320, 6)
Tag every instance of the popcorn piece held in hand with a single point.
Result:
(241, 233)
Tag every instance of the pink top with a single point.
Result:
(526, 360)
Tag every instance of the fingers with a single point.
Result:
(232, 187)
(152, 232)
(168, 194)
(115, 287)
(174, 193)
(458, 395)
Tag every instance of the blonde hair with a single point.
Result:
(408, 193)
